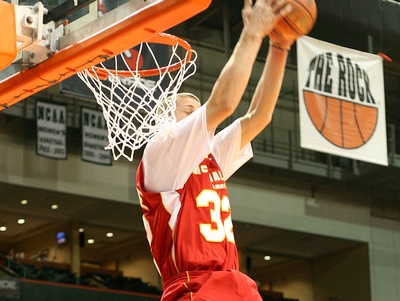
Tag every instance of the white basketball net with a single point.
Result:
(134, 107)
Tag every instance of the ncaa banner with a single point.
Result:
(51, 126)
(341, 101)
(94, 137)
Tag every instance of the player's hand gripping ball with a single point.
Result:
(298, 22)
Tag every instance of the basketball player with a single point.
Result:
(181, 178)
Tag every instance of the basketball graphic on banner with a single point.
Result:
(343, 123)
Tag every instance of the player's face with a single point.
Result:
(185, 106)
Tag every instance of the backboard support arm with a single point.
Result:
(103, 38)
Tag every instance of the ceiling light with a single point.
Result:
(90, 241)
(3, 228)
(24, 202)
(110, 234)
(267, 258)
(21, 221)
(81, 230)
(54, 207)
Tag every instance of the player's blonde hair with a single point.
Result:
(165, 103)
(186, 94)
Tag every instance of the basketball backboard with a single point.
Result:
(69, 43)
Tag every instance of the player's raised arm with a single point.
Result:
(258, 19)
(265, 97)
(263, 103)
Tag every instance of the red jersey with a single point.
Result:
(186, 210)
(190, 229)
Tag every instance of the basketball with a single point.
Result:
(298, 22)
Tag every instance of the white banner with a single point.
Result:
(51, 125)
(341, 101)
(94, 137)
